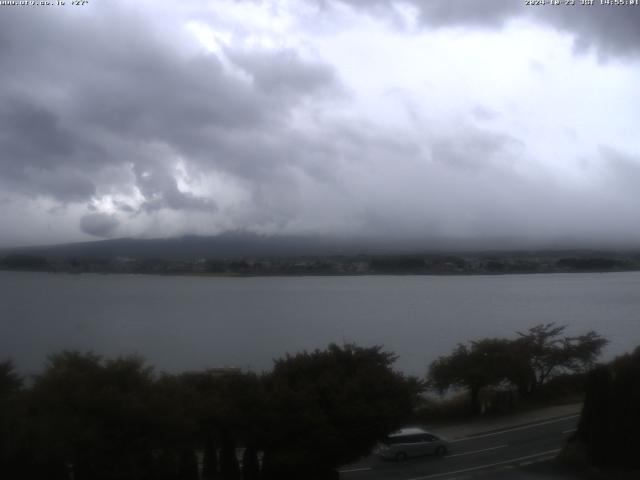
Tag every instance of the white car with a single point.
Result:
(411, 442)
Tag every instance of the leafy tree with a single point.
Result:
(175, 406)
(241, 421)
(329, 407)
(195, 405)
(227, 408)
(610, 418)
(527, 362)
(90, 416)
(250, 464)
(547, 352)
(474, 366)
(10, 381)
(10, 391)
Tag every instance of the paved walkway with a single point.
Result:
(501, 422)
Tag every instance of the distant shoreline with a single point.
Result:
(309, 274)
(215, 265)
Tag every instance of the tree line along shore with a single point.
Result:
(88, 417)
(468, 264)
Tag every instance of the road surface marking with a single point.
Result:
(571, 430)
(476, 451)
(489, 465)
(352, 470)
(364, 469)
(524, 427)
(539, 459)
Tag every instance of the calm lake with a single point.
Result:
(181, 323)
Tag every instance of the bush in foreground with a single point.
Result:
(90, 418)
(610, 420)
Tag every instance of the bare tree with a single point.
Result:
(547, 352)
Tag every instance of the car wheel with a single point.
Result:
(440, 451)
(401, 457)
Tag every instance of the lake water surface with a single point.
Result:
(181, 323)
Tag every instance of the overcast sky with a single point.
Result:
(447, 118)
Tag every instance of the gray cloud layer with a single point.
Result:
(612, 30)
(98, 224)
(111, 115)
(122, 98)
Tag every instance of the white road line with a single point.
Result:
(541, 459)
(364, 469)
(352, 470)
(571, 430)
(476, 451)
(489, 465)
(524, 427)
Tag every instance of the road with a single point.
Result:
(480, 455)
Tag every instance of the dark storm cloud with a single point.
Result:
(468, 12)
(62, 184)
(101, 109)
(160, 190)
(169, 98)
(612, 30)
(124, 97)
(32, 134)
(99, 224)
(34, 149)
(283, 71)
